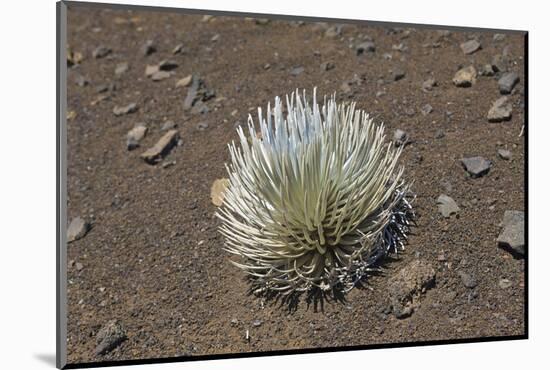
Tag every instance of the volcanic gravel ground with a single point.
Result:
(153, 258)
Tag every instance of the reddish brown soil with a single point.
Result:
(154, 245)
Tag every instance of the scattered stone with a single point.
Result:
(127, 109)
(429, 84)
(82, 81)
(109, 337)
(511, 238)
(470, 47)
(400, 137)
(439, 134)
(151, 70)
(134, 136)
(215, 38)
(345, 87)
(184, 82)
(217, 192)
(327, 66)
(426, 109)
(507, 82)
(504, 283)
(398, 74)
(365, 47)
(178, 49)
(160, 75)
(499, 63)
(334, 31)
(197, 94)
(296, 71)
(257, 323)
(476, 166)
(148, 48)
(261, 21)
(487, 70)
(499, 37)
(202, 126)
(505, 154)
(77, 229)
(168, 164)
(161, 148)
(121, 68)
(168, 65)
(500, 111)
(468, 280)
(168, 125)
(465, 77)
(407, 287)
(79, 266)
(101, 52)
(74, 58)
(447, 206)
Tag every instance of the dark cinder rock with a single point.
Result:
(400, 137)
(77, 229)
(101, 52)
(511, 237)
(127, 109)
(148, 48)
(507, 82)
(505, 154)
(447, 206)
(468, 280)
(161, 148)
(429, 84)
(110, 336)
(500, 63)
(398, 74)
(168, 65)
(500, 111)
(296, 71)
(476, 166)
(470, 47)
(408, 285)
(365, 47)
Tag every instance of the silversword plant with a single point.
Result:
(315, 198)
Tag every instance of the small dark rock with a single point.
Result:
(101, 52)
(470, 47)
(398, 74)
(161, 148)
(135, 135)
(148, 48)
(507, 82)
(109, 337)
(77, 229)
(511, 237)
(426, 109)
(476, 166)
(400, 137)
(499, 63)
(468, 280)
(429, 84)
(327, 66)
(168, 125)
(168, 65)
(296, 71)
(500, 111)
(365, 47)
(505, 154)
(447, 206)
(127, 109)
